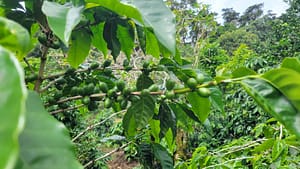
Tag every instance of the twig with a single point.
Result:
(236, 159)
(96, 124)
(67, 109)
(238, 148)
(280, 134)
(27, 63)
(107, 154)
(49, 85)
(42, 68)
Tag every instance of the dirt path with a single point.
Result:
(120, 162)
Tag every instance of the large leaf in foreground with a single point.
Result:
(287, 81)
(157, 16)
(274, 102)
(62, 18)
(14, 37)
(45, 142)
(12, 106)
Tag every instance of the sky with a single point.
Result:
(277, 6)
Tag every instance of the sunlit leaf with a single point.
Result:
(12, 106)
(97, 38)
(79, 48)
(14, 37)
(274, 102)
(125, 34)
(200, 105)
(152, 46)
(157, 16)
(62, 19)
(118, 7)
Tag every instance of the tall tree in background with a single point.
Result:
(251, 13)
(229, 15)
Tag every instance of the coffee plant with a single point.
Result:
(70, 67)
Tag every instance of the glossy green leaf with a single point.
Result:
(163, 156)
(187, 110)
(286, 80)
(200, 105)
(181, 115)
(125, 35)
(216, 98)
(274, 102)
(98, 39)
(143, 82)
(79, 47)
(167, 120)
(138, 114)
(12, 106)
(152, 46)
(110, 36)
(14, 37)
(62, 19)
(291, 63)
(157, 16)
(155, 129)
(118, 7)
(45, 142)
(242, 71)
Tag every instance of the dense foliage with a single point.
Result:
(83, 79)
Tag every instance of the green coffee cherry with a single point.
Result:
(192, 83)
(170, 84)
(200, 78)
(204, 92)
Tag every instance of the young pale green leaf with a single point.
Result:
(287, 81)
(138, 115)
(79, 47)
(62, 19)
(110, 36)
(14, 37)
(152, 46)
(97, 38)
(125, 35)
(143, 82)
(291, 63)
(163, 156)
(157, 16)
(45, 142)
(167, 120)
(12, 106)
(200, 105)
(155, 129)
(274, 102)
(118, 7)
